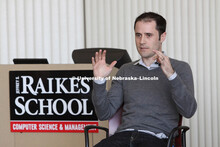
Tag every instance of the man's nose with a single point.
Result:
(142, 41)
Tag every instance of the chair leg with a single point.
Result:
(184, 138)
(86, 133)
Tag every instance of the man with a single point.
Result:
(151, 107)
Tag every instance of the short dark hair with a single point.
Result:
(151, 16)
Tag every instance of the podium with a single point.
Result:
(16, 110)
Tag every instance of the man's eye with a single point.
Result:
(138, 35)
(149, 35)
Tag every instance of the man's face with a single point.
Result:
(147, 38)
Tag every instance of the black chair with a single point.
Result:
(173, 140)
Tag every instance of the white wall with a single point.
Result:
(54, 28)
(41, 28)
(192, 35)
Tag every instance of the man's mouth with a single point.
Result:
(142, 48)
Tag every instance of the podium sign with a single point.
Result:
(51, 101)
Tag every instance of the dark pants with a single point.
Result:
(132, 139)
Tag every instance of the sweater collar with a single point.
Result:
(151, 67)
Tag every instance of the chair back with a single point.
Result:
(178, 139)
(115, 121)
(113, 54)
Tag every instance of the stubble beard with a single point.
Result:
(147, 56)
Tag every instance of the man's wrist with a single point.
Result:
(173, 76)
(99, 80)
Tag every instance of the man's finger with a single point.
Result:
(96, 57)
(155, 57)
(103, 55)
(160, 54)
(93, 61)
(100, 55)
(161, 57)
(112, 64)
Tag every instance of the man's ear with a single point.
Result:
(163, 37)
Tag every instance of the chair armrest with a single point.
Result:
(86, 132)
(182, 131)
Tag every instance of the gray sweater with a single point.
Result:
(150, 101)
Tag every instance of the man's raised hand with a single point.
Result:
(100, 68)
(165, 63)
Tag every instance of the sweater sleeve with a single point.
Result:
(182, 89)
(106, 103)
